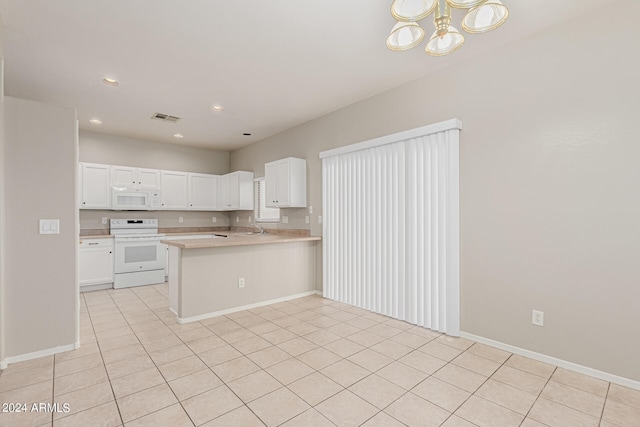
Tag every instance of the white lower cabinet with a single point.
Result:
(95, 263)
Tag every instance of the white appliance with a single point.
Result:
(135, 199)
(139, 257)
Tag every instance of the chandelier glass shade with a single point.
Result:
(405, 35)
(412, 10)
(481, 16)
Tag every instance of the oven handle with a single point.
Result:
(138, 239)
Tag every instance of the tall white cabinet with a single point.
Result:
(286, 183)
(95, 186)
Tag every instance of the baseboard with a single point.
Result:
(244, 307)
(3, 364)
(626, 382)
(40, 353)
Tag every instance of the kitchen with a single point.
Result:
(530, 199)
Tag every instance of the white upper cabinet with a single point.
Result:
(286, 183)
(95, 187)
(175, 186)
(123, 176)
(236, 191)
(203, 191)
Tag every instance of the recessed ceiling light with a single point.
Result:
(178, 135)
(246, 134)
(110, 82)
(95, 121)
(217, 107)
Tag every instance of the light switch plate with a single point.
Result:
(49, 226)
(319, 219)
(306, 219)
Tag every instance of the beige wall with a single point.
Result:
(41, 288)
(549, 200)
(124, 151)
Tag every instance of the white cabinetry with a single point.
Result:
(203, 191)
(236, 191)
(95, 189)
(286, 183)
(123, 176)
(175, 186)
(95, 262)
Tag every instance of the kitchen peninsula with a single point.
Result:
(238, 270)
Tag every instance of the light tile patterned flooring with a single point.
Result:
(306, 362)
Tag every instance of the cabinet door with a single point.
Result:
(148, 178)
(245, 190)
(271, 184)
(234, 191)
(224, 199)
(95, 192)
(122, 176)
(202, 191)
(283, 197)
(175, 187)
(95, 266)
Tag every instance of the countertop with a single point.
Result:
(235, 238)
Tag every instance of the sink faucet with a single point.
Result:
(259, 227)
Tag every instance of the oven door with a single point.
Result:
(139, 253)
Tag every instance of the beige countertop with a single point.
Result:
(237, 239)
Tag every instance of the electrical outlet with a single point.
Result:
(104, 220)
(237, 219)
(319, 219)
(180, 219)
(214, 219)
(285, 219)
(537, 317)
(306, 219)
(310, 209)
(241, 282)
(249, 219)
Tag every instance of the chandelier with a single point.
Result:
(482, 16)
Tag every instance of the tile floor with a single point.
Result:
(307, 362)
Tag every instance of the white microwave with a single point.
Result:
(135, 199)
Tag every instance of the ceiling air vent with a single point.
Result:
(165, 117)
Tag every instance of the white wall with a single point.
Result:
(549, 199)
(41, 291)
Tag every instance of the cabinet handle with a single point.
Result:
(92, 244)
(110, 252)
(84, 203)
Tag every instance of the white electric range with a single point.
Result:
(139, 256)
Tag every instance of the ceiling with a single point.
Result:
(271, 64)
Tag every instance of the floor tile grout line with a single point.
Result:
(102, 358)
(604, 404)
(538, 396)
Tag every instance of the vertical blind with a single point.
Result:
(390, 228)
